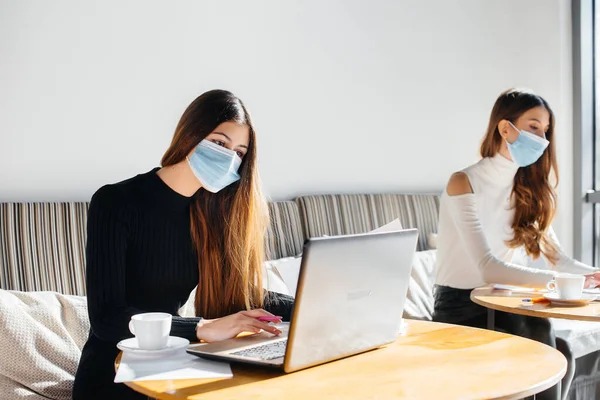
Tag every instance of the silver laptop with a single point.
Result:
(350, 296)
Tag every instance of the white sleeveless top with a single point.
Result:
(473, 230)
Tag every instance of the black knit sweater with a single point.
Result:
(140, 258)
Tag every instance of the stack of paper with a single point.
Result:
(179, 365)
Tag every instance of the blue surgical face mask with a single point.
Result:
(215, 166)
(527, 149)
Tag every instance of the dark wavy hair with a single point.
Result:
(533, 192)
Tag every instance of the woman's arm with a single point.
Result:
(566, 263)
(279, 304)
(463, 209)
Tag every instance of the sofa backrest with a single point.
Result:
(345, 214)
(42, 245)
(285, 236)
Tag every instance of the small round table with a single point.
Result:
(429, 361)
(512, 302)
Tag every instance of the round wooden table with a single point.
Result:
(432, 360)
(512, 302)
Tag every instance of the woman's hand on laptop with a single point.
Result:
(592, 280)
(232, 325)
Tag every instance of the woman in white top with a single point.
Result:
(495, 221)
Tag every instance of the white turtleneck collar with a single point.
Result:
(503, 169)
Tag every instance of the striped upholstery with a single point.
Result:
(43, 247)
(284, 236)
(358, 213)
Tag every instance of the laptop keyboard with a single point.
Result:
(269, 351)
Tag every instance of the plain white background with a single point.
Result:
(346, 95)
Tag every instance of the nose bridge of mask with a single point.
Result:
(532, 136)
(220, 149)
(235, 161)
(220, 156)
(214, 168)
(540, 140)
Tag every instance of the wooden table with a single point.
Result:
(432, 360)
(504, 300)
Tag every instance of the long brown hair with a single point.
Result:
(533, 192)
(227, 227)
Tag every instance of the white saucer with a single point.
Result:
(595, 291)
(131, 345)
(585, 299)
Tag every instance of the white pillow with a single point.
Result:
(419, 299)
(288, 269)
(41, 337)
(432, 239)
(189, 309)
(273, 280)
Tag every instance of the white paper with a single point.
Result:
(179, 365)
(289, 271)
(395, 225)
(513, 288)
(403, 327)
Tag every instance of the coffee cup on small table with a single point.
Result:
(151, 329)
(567, 286)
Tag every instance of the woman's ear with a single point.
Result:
(503, 128)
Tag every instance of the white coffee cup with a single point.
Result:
(151, 329)
(567, 286)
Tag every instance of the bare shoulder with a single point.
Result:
(459, 184)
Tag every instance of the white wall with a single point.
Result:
(347, 96)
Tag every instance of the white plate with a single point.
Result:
(131, 345)
(595, 291)
(585, 299)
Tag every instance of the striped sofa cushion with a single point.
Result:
(359, 213)
(285, 237)
(43, 247)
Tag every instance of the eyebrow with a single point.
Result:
(228, 138)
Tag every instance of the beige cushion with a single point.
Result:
(274, 282)
(419, 299)
(288, 270)
(41, 337)
(432, 241)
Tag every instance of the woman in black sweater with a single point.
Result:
(198, 220)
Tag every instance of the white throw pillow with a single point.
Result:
(188, 310)
(432, 239)
(41, 337)
(274, 281)
(419, 299)
(288, 269)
